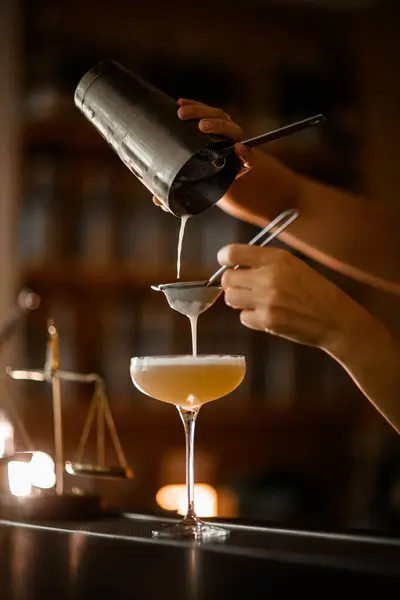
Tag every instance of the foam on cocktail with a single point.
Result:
(187, 359)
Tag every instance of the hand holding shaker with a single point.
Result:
(187, 169)
(166, 154)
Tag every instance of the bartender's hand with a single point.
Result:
(280, 294)
(279, 184)
(217, 122)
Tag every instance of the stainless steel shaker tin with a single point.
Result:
(165, 153)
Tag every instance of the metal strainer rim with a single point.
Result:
(183, 285)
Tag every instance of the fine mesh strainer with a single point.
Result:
(191, 298)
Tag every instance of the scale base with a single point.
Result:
(51, 507)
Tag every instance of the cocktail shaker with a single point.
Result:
(165, 153)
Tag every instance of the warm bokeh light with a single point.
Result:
(42, 471)
(173, 497)
(6, 435)
(19, 478)
(39, 472)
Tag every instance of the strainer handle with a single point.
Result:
(287, 216)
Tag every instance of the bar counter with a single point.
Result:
(117, 558)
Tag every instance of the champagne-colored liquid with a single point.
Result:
(180, 244)
(188, 381)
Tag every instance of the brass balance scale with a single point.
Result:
(56, 503)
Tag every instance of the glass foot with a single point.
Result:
(191, 529)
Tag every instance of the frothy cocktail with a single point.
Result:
(188, 381)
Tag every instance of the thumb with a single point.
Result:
(246, 153)
(160, 203)
(247, 156)
(241, 254)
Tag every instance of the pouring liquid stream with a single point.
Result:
(193, 328)
(184, 220)
(192, 316)
(192, 311)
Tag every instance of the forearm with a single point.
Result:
(280, 294)
(371, 356)
(261, 194)
(351, 234)
(348, 233)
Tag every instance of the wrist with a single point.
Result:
(274, 185)
(354, 331)
(267, 189)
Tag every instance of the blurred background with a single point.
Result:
(296, 444)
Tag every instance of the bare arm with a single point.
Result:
(371, 356)
(346, 232)
(283, 296)
(353, 235)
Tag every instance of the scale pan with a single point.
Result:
(89, 470)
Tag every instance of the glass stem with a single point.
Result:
(189, 421)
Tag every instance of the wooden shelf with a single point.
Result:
(108, 312)
(65, 132)
(71, 132)
(135, 275)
